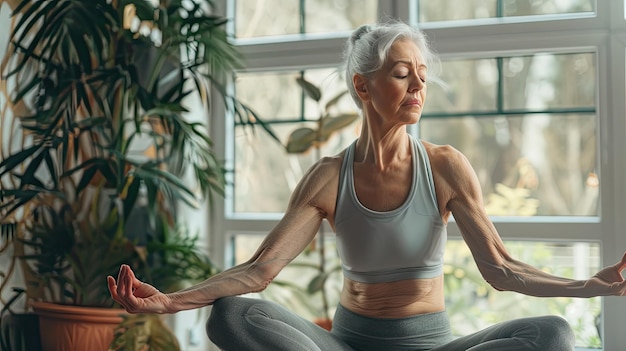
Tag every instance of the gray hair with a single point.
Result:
(368, 47)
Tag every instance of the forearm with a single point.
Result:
(245, 278)
(520, 277)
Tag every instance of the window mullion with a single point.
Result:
(302, 16)
(500, 92)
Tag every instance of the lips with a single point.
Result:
(413, 103)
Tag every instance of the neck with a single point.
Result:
(382, 146)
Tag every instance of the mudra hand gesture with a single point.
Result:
(136, 296)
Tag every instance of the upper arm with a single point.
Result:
(309, 204)
(463, 198)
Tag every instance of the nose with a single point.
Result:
(416, 83)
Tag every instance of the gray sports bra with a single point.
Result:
(405, 243)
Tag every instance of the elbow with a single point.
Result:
(261, 276)
(263, 268)
(263, 283)
(500, 277)
(498, 284)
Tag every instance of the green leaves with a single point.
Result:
(91, 85)
(175, 259)
(55, 23)
(303, 139)
(108, 133)
(143, 332)
(309, 89)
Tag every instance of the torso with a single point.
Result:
(397, 299)
(385, 191)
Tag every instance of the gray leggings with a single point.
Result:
(243, 324)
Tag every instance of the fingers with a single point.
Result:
(130, 275)
(620, 288)
(126, 288)
(122, 289)
(129, 271)
(112, 287)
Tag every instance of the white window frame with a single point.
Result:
(604, 34)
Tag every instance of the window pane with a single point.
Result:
(470, 85)
(282, 17)
(266, 18)
(454, 10)
(265, 174)
(542, 82)
(530, 165)
(274, 96)
(471, 303)
(326, 16)
(545, 7)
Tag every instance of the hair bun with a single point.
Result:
(359, 32)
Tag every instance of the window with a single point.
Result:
(528, 126)
(534, 99)
(284, 106)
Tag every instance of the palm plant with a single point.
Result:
(107, 137)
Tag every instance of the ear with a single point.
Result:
(360, 86)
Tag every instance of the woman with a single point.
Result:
(388, 197)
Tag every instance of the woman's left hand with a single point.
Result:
(609, 281)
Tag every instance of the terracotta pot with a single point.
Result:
(325, 323)
(76, 328)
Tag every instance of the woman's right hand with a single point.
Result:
(136, 296)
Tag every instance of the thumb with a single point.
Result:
(112, 287)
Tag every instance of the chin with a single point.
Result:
(414, 119)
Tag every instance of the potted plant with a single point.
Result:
(106, 143)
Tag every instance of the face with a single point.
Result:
(397, 92)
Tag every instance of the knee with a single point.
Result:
(220, 324)
(559, 334)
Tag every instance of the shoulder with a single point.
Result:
(446, 159)
(324, 170)
(452, 172)
(318, 186)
